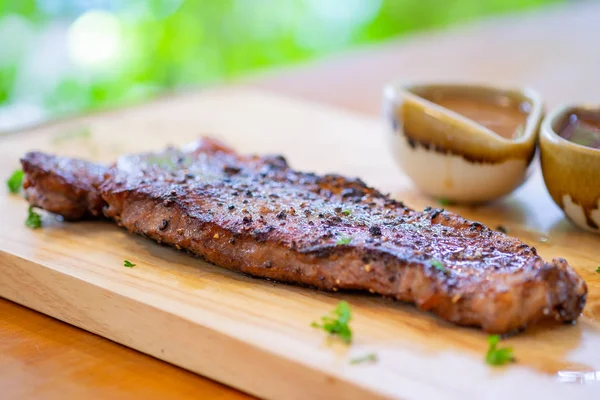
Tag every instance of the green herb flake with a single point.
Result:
(15, 181)
(371, 357)
(128, 264)
(496, 356)
(438, 265)
(336, 324)
(598, 269)
(445, 202)
(34, 220)
(344, 240)
(346, 212)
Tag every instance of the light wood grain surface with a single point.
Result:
(239, 330)
(43, 358)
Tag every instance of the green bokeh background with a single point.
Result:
(169, 44)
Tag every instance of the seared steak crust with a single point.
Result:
(64, 186)
(257, 215)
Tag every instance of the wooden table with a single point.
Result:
(554, 51)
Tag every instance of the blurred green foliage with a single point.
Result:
(167, 44)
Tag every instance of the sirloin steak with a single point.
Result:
(257, 215)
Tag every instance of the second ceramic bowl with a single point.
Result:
(463, 143)
(571, 168)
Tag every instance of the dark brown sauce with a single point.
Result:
(581, 127)
(505, 118)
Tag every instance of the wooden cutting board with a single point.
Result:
(253, 334)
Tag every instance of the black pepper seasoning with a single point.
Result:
(375, 231)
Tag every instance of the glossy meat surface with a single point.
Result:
(257, 215)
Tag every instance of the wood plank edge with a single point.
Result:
(125, 321)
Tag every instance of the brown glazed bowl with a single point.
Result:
(448, 156)
(571, 171)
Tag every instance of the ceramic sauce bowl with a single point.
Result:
(570, 156)
(463, 143)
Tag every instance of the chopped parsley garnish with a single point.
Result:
(438, 265)
(15, 181)
(598, 269)
(33, 220)
(336, 324)
(371, 357)
(496, 356)
(344, 240)
(128, 264)
(346, 212)
(445, 202)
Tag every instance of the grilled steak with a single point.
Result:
(257, 215)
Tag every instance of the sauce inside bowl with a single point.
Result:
(581, 127)
(502, 115)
